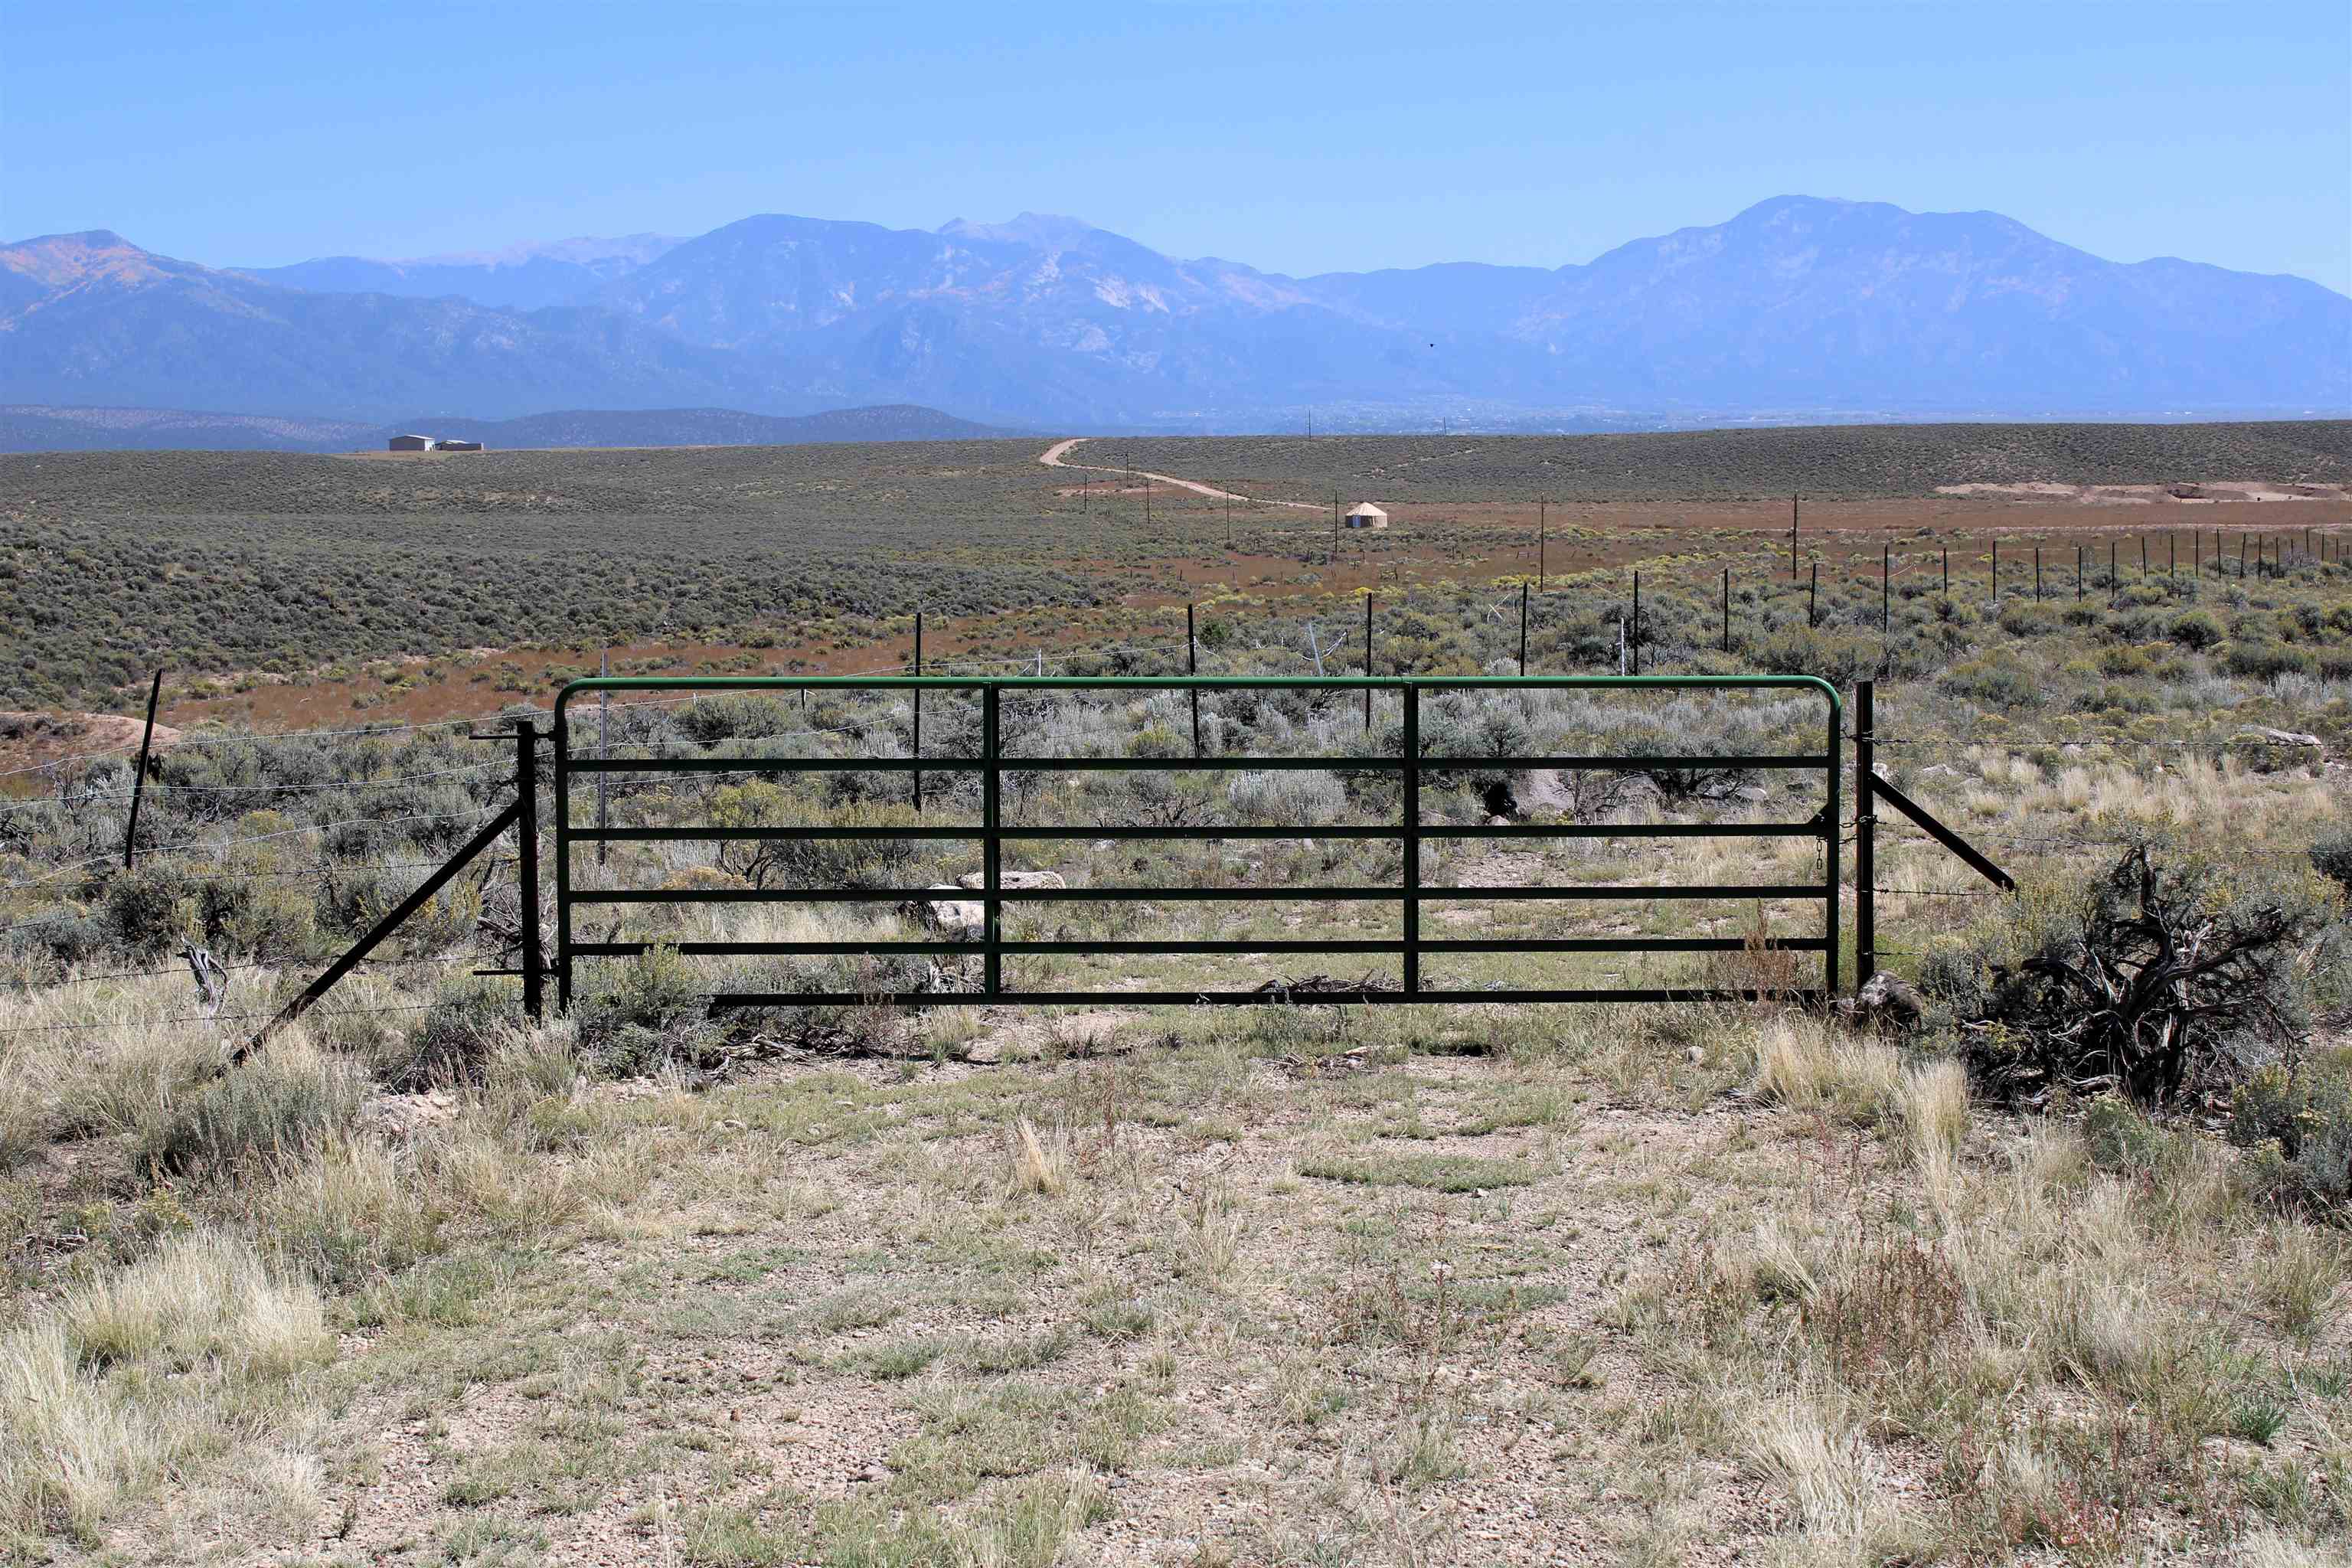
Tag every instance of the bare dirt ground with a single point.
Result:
(1339, 1305)
(31, 739)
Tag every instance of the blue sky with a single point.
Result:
(1299, 138)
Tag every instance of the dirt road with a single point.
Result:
(1057, 455)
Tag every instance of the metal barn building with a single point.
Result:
(412, 443)
(457, 445)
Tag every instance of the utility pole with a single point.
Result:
(1543, 539)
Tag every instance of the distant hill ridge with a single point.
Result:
(25, 428)
(1797, 310)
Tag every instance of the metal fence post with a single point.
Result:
(1637, 627)
(561, 740)
(1410, 766)
(1523, 629)
(1727, 609)
(1865, 834)
(1813, 598)
(1993, 578)
(534, 960)
(139, 779)
(2037, 574)
(1831, 890)
(1368, 662)
(1191, 666)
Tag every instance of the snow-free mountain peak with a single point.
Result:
(1796, 308)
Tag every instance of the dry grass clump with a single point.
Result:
(100, 1392)
(1807, 1065)
(2044, 1326)
(1034, 1164)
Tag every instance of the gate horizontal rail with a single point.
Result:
(1410, 766)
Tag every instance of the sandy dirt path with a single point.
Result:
(1057, 456)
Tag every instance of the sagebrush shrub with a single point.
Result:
(286, 1100)
(152, 909)
(2297, 1123)
(655, 1008)
(2332, 859)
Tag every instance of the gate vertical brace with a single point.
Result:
(604, 743)
(1412, 879)
(992, 863)
(1865, 837)
(534, 960)
(561, 740)
(918, 713)
(1192, 666)
(1833, 892)
(1637, 628)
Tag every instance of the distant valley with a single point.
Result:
(36, 428)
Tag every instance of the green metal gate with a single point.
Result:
(1410, 766)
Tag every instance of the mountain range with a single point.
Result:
(1799, 308)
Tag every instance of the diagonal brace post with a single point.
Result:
(1944, 836)
(385, 928)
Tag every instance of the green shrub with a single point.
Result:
(2120, 1136)
(62, 936)
(815, 862)
(2264, 660)
(2195, 629)
(455, 1041)
(289, 1099)
(2332, 859)
(730, 716)
(656, 1009)
(2297, 1123)
(152, 909)
(1998, 680)
(272, 918)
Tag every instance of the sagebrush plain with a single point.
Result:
(1974, 1274)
